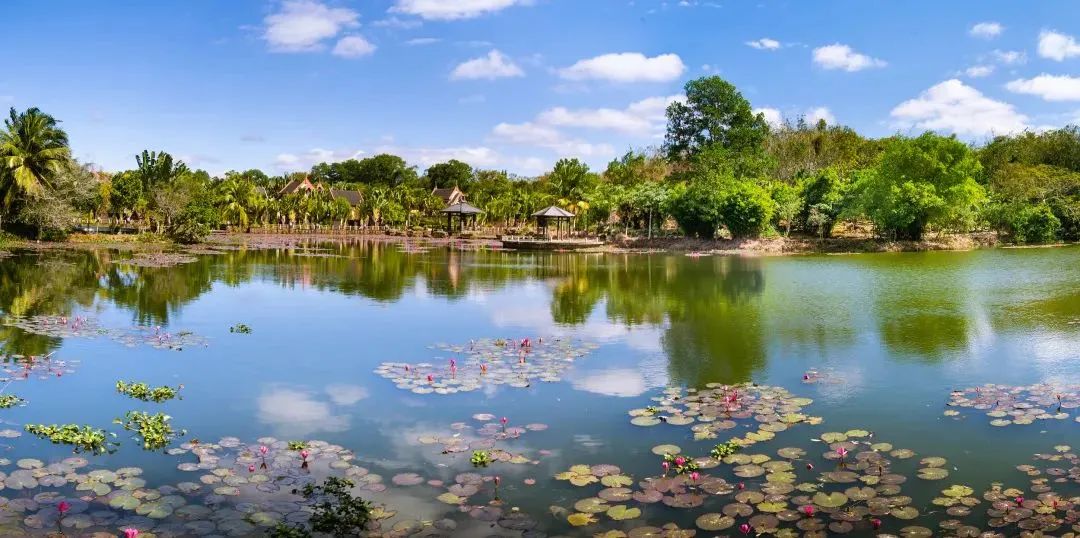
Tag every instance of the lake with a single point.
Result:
(842, 361)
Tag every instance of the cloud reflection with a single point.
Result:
(297, 414)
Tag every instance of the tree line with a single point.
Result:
(722, 171)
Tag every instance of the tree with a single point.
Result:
(236, 194)
(452, 173)
(745, 209)
(788, 202)
(649, 198)
(714, 113)
(126, 192)
(384, 169)
(634, 167)
(52, 213)
(33, 150)
(924, 181)
(570, 179)
(155, 168)
(697, 209)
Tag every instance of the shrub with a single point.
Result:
(1035, 224)
(746, 209)
(697, 209)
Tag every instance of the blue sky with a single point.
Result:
(516, 84)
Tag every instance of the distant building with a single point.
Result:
(450, 196)
(355, 198)
(297, 185)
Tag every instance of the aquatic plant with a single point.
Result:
(297, 445)
(155, 430)
(142, 391)
(334, 511)
(723, 450)
(7, 401)
(82, 438)
(681, 464)
(480, 458)
(240, 328)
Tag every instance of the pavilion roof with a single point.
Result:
(554, 212)
(462, 208)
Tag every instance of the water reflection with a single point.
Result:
(716, 319)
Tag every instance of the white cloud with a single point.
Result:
(619, 382)
(298, 414)
(1057, 46)
(987, 30)
(953, 106)
(977, 71)
(1010, 57)
(427, 156)
(293, 161)
(304, 25)
(820, 113)
(764, 44)
(626, 67)
(839, 56)
(394, 22)
(452, 9)
(642, 117)
(494, 65)
(423, 41)
(1049, 87)
(353, 46)
(532, 134)
(772, 116)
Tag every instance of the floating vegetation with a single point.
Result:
(157, 259)
(82, 438)
(488, 362)
(23, 367)
(723, 450)
(1017, 405)
(79, 326)
(334, 510)
(297, 445)
(142, 391)
(480, 458)
(722, 407)
(240, 328)
(155, 430)
(7, 401)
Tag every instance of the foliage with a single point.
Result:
(697, 209)
(723, 450)
(788, 203)
(142, 391)
(1032, 223)
(480, 458)
(714, 113)
(921, 182)
(745, 209)
(297, 445)
(334, 511)
(7, 401)
(33, 149)
(452, 173)
(571, 179)
(83, 438)
(240, 328)
(53, 210)
(155, 430)
(681, 464)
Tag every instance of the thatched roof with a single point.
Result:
(554, 212)
(354, 198)
(462, 208)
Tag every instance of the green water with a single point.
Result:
(888, 335)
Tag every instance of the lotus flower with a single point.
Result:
(666, 466)
(131, 533)
(694, 476)
(504, 420)
(744, 528)
(808, 510)
(304, 454)
(1019, 501)
(876, 523)
(264, 449)
(680, 461)
(842, 452)
(63, 507)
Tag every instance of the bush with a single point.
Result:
(746, 209)
(1035, 224)
(187, 231)
(697, 209)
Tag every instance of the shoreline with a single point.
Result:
(778, 246)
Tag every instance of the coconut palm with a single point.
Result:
(236, 194)
(33, 149)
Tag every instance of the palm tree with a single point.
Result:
(236, 194)
(32, 151)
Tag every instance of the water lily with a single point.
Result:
(304, 454)
(680, 461)
(810, 466)
(264, 449)
(842, 452)
(666, 466)
(808, 510)
(876, 523)
(430, 378)
(63, 507)
(497, 481)
(131, 533)
(741, 486)
(251, 468)
(694, 476)
(1019, 501)
(744, 528)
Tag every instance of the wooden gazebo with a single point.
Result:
(556, 215)
(464, 211)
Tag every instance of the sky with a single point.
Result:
(517, 84)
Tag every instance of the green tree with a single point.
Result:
(697, 208)
(154, 168)
(385, 170)
(714, 113)
(452, 173)
(788, 202)
(571, 179)
(921, 182)
(33, 150)
(745, 209)
(126, 192)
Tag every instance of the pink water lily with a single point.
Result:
(666, 466)
(131, 533)
(694, 476)
(744, 528)
(304, 454)
(251, 468)
(264, 449)
(497, 481)
(741, 486)
(63, 507)
(680, 461)
(810, 466)
(808, 510)
(1019, 501)
(842, 452)
(876, 523)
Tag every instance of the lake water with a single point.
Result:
(878, 342)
